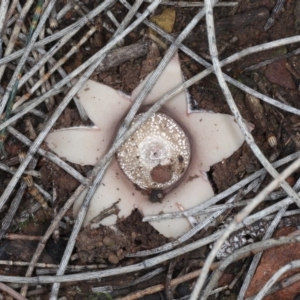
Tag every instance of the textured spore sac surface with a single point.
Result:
(157, 155)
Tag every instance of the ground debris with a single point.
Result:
(102, 244)
(111, 243)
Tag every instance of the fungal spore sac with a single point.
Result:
(157, 155)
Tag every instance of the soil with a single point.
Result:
(236, 29)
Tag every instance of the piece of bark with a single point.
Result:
(241, 20)
(120, 55)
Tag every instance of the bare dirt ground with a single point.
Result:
(237, 28)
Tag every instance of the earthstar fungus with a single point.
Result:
(167, 157)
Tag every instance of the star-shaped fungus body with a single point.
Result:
(162, 167)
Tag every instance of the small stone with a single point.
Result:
(107, 241)
(120, 254)
(225, 279)
(83, 255)
(107, 79)
(250, 168)
(113, 259)
(278, 73)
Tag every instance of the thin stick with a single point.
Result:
(15, 33)
(64, 10)
(15, 204)
(12, 237)
(50, 266)
(9, 14)
(11, 292)
(160, 287)
(3, 10)
(52, 157)
(284, 283)
(12, 210)
(133, 282)
(269, 61)
(194, 4)
(278, 6)
(32, 36)
(11, 90)
(47, 55)
(59, 63)
(80, 23)
(12, 171)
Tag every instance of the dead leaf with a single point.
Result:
(165, 20)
